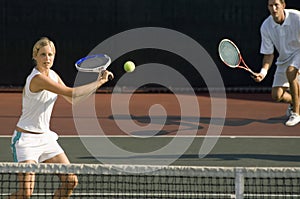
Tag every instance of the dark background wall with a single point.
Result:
(77, 26)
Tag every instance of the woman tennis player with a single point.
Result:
(33, 141)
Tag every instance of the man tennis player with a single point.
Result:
(282, 31)
(33, 141)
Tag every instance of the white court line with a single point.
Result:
(198, 136)
(172, 136)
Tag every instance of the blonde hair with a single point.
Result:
(44, 41)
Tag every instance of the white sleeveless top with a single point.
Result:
(37, 107)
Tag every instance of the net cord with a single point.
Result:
(239, 174)
(249, 172)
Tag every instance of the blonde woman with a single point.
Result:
(33, 141)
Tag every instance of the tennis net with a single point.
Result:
(138, 181)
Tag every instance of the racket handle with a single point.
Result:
(252, 73)
(110, 77)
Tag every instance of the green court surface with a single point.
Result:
(228, 151)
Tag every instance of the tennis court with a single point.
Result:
(153, 144)
(254, 135)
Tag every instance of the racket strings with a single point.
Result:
(93, 62)
(229, 54)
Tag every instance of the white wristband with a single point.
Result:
(264, 72)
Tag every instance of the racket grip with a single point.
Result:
(252, 73)
(109, 77)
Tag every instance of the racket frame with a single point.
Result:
(241, 60)
(98, 69)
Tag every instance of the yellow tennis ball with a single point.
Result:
(129, 66)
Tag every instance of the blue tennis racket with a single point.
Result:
(93, 63)
(231, 56)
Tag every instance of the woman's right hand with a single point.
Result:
(106, 76)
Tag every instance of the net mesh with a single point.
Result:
(229, 53)
(129, 181)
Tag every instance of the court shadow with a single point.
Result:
(151, 133)
(242, 121)
(193, 123)
(171, 122)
